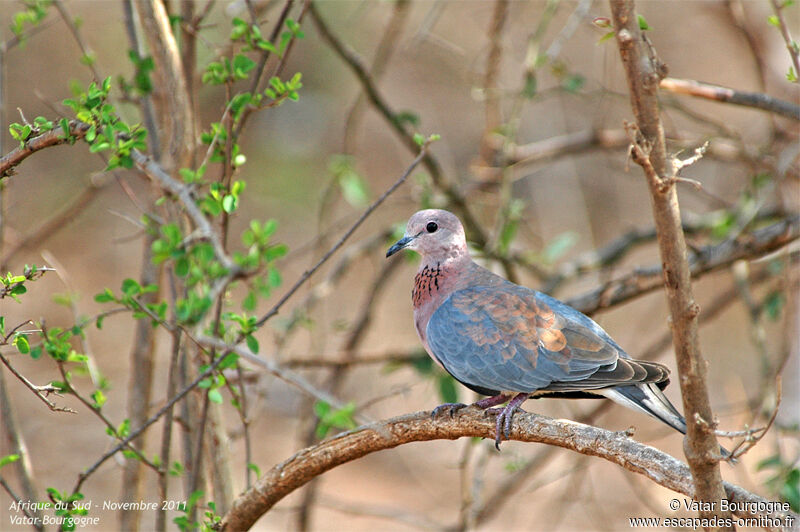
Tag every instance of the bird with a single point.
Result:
(511, 343)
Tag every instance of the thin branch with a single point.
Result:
(54, 137)
(787, 37)
(308, 273)
(39, 391)
(76, 34)
(747, 246)
(615, 447)
(280, 372)
(356, 64)
(708, 91)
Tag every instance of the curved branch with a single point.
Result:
(615, 447)
(54, 137)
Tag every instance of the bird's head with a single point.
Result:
(435, 234)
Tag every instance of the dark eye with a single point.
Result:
(431, 227)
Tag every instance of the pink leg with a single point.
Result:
(483, 404)
(504, 418)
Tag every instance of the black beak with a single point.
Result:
(400, 244)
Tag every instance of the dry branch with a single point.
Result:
(708, 91)
(705, 260)
(615, 447)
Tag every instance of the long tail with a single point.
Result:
(650, 400)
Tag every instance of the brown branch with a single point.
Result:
(308, 273)
(54, 137)
(705, 260)
(176, 111)
(708, 91)
(644, 71)
(615, 447)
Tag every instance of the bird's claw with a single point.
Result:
(451, 408)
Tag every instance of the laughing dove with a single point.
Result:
(512, 343)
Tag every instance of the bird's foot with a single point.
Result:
(450, 408)
(506, 417)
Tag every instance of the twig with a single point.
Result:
(615, 447)
(39, 391)
(54, 137)
(704, 260)
(724, 94)
(152, 419)
(308, 273)
(282, 373)
(787, 37)
(356, 64)
(16, 444)
(76, 34)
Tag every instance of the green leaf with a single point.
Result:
(99, 399)
(8, 459)
(254, 468)
(252, 343)
(105, 296)
(21, 343)
(606, 37)
(131, 287)
(215, 396)
(773, 20)
(642, 23)
(229, 203)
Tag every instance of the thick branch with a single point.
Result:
(708, 91)
(176, 111)
(615, 447)
(644, 71)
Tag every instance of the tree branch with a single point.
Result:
(708, 91)
(615, 447)
(705, 260)
(644, 71)
(54, 137)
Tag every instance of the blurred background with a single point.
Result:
(529, 101)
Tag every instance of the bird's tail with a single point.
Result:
(649, 399)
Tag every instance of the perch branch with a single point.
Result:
(615, 447)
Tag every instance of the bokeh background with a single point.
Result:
(568, 204)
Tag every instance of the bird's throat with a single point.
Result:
(427, 284)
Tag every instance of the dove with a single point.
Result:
(511, 343)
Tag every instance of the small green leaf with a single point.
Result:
(254, 468)
(21, 343)
(606, 37)
(773, 20)
(215, 396)
(642, 23)
(252, 343)
(8, 459)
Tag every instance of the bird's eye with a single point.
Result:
(431, 227)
